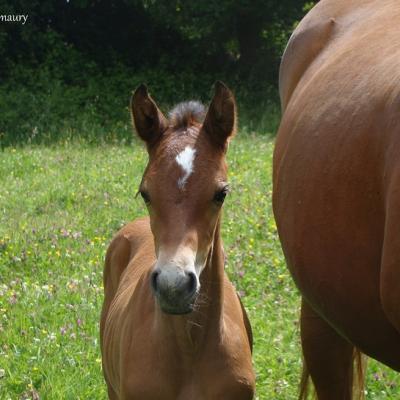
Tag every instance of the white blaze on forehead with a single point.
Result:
(185, 160)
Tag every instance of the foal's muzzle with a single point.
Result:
(175, 289)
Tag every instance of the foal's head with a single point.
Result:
(184, 187)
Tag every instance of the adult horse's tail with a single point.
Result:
(356, 378)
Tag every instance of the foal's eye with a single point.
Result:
(220, 195)
(145, 196)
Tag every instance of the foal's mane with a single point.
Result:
(186, 114)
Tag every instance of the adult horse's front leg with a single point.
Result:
(328, 358)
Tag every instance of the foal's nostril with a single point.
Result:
(153, 280)
(192, 286)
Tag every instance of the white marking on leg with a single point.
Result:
(185, 160)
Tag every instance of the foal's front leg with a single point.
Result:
(327, 356)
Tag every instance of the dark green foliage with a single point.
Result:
(70, 69)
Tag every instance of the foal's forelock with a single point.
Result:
(183, 115)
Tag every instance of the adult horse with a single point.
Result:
(172, 325)
(337, 185)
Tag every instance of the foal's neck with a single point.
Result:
(212, 281)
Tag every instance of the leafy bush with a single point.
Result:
(41, 106)
(70, 70)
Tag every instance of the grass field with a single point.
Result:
(59, 208)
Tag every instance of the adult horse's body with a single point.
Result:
(337, 185)
(172, 325)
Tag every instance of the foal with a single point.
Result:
(172, 326)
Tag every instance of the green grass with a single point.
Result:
(59, 208)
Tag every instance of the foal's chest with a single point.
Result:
(174, 379)
(195, 388)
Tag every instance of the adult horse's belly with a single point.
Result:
(330, 170)
(331, 228)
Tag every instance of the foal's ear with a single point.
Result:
(149, 121)
(220, 121)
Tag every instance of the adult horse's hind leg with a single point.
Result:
(328, 357)
(390, 268)
(111, 394)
